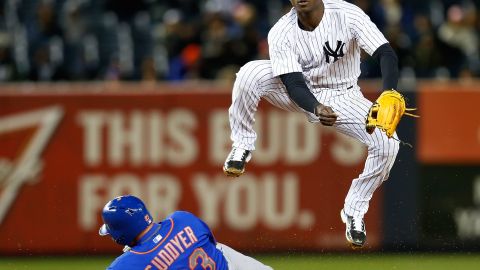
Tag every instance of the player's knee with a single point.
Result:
(254, 72)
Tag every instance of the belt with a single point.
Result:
(331, 89)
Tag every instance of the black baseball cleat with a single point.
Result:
(355, 230)
(235, 164)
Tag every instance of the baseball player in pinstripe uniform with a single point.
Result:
(314, 68)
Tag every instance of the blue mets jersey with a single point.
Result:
(181, 241)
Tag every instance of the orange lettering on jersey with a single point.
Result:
(184, 240)
(172, 250)
(176, 242)
(190, 234)
(165, 257)
(159, 264)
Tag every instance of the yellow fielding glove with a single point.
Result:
(387, 111)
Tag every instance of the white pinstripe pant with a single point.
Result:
(255, 81)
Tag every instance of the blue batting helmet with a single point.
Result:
(124, 218)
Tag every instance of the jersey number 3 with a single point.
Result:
(207, 262)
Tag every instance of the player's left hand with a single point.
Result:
(387, 111)
(326, 115)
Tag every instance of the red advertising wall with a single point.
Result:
(65, 150)
(449, 126)
(449, 152)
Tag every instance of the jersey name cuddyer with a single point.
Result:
(181, 239)
(328, 56)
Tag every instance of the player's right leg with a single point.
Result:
(254, 81)
(238, 261)
(352, 108)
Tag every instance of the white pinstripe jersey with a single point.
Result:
(328, 56)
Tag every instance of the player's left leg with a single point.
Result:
(254, 81)
(238, 261)
(352, 108)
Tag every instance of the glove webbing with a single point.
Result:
(409, 112)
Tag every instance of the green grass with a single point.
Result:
(280, 262)
(376, 262)
(54, 263)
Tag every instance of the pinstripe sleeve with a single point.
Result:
(366, 33)
(283, 57)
